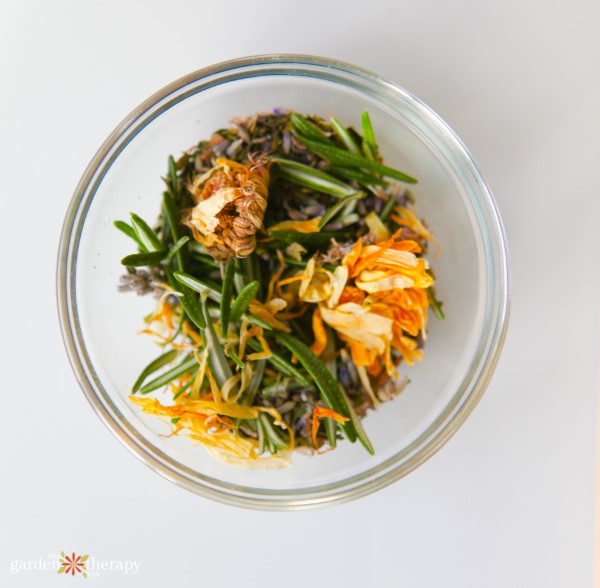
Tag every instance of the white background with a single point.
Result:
(512, 499)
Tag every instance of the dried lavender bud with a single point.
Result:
(141, 282)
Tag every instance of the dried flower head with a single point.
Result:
(230, 202)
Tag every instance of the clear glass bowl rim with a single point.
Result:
(497, 311)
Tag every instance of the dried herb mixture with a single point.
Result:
(288, 263)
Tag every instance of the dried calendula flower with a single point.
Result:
(230, 203)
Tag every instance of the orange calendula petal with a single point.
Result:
(164, 312)
(407, 245)
(408, 348)
(406, 217)
(168, 314)
(153, 333)
(374, 251)
(351, 258)
(352, 294)
(189, 332)
(375, 368)
(320, 334)
(292, 279)
(327, 412)
(275, 277)
(204, 408)
(288, 316)
(360, 354)
(320, 412)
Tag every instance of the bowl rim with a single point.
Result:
(317, 496)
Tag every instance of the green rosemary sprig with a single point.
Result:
(200, 286)
(345, 137)
(363, 178)
(145, 234)
(347, 159)
(243, 300)
(332, 394)
(338, 207)
(216, 355)
(369, 144)
(309, 129)
(154, 366)
(152, 258)
(312, 178)
(226, 295)
(186, 366)
(130, 232)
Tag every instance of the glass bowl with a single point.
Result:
(99, 324)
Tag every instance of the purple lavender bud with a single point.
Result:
(287, 142)
(401, 199)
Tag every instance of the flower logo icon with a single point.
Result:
(73, 564)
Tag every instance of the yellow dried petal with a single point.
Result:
(229, 385)
(378, 281)
(338, 283)
(203, 408)
(276, 305)
(280, 461)
(357, 322)
(375, 225)
(303, 226)
(295, 251)
(406, 217)
(315, 284)
(204, 214)
(198, 379)
(257, 332)
(201, 419)
(262, 312)
(391, 257)
(364, 380)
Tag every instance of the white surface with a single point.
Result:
(511, 500)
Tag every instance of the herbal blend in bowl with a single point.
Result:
(288, 263)
(100, 325)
